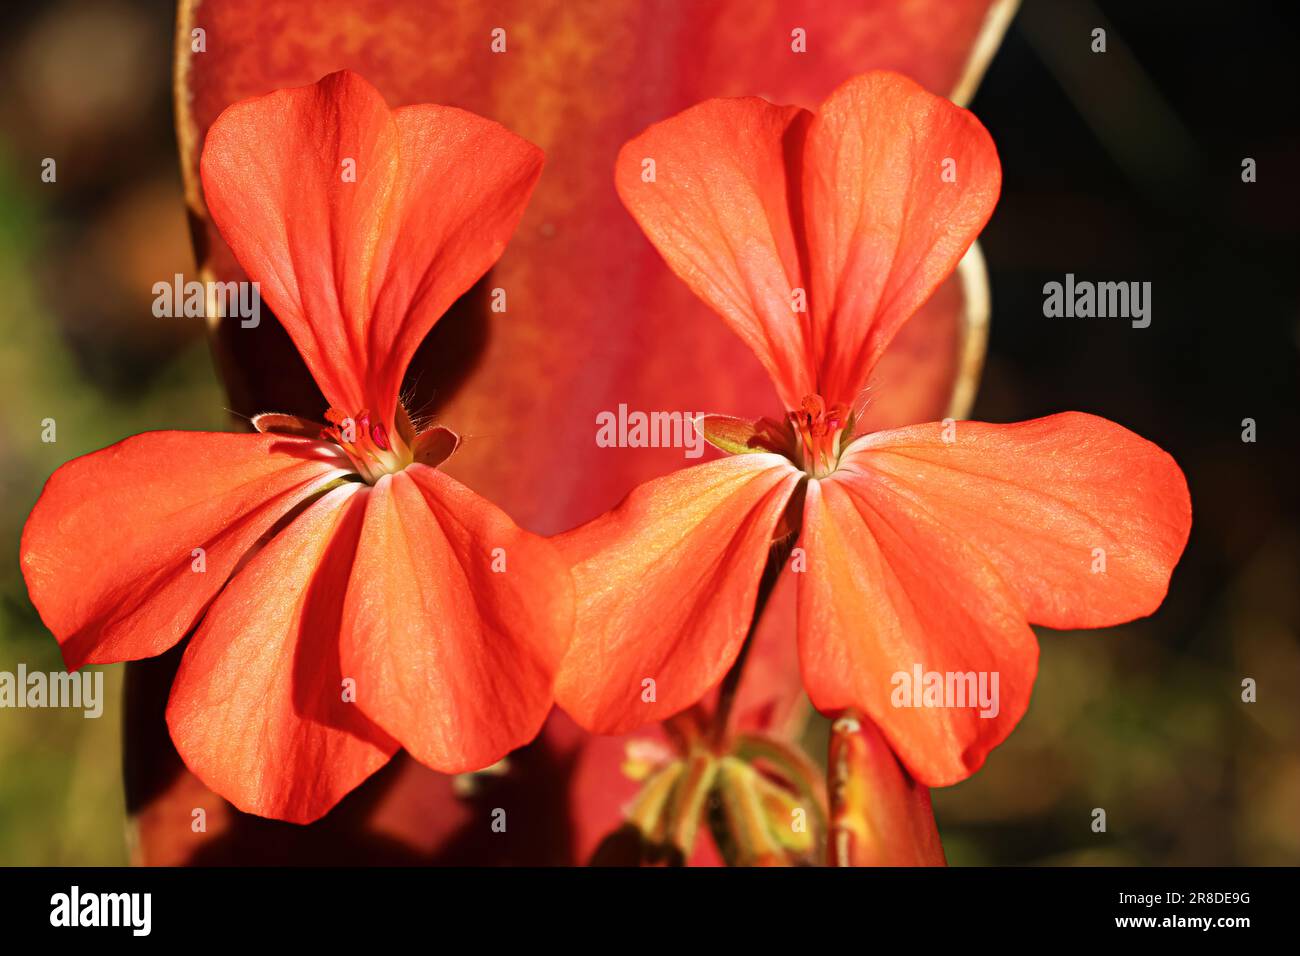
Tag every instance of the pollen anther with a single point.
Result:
(367, 444)
(819, 430)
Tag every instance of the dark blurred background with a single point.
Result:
(1123, 166)
(1127, 166)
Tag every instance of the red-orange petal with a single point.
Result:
(884, 224)
(666, 584)
(259, 709)
(109, 551)
(881, 596)
(937, 554)
(360, 223)
(1083, 519)
(718, 210)
(455, 622)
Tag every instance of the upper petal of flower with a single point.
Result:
(258, 709)
(718, 209)
(455, 621)
(897, 184)
(666, 584)
(109, 551)
(815, 237)
(362, 224)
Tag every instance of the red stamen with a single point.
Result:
(819, 428)
(367, 443)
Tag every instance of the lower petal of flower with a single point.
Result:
(128, 545)
(261, 709)
(455, 621)
(931, 548)
(1084, 519)
(884, 595)
(666, 586)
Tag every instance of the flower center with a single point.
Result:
(373, 451)
(819, 430)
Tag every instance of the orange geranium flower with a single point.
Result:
(349, 597)
(930, 547)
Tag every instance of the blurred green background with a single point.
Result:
(1134, 175)
(87, 85)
